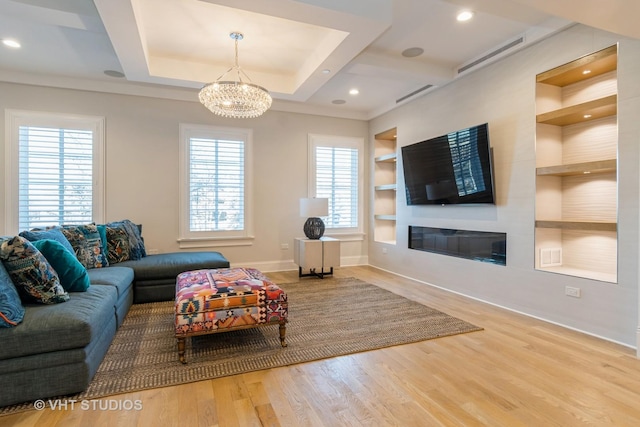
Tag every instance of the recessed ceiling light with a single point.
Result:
(114, 73)
(354, 91)
(412, 52)
(11, 43)
(338, 101)
(326, 71)
(465, 15)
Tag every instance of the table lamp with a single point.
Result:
(313, 209)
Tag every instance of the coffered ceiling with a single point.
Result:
(308, 53)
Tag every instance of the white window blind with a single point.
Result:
(337, 180)
(216, 184)
(55, 176)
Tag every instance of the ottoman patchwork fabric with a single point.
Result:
(218, 300)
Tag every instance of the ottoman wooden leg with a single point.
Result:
(283, 331)
(181, 349)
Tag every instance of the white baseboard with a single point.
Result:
(289, 265)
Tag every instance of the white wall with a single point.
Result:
(142, 165)
(503, 94)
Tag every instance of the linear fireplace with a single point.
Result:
(475, 245)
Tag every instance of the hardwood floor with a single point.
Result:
(517, 372)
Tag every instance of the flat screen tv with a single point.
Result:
(450, 169)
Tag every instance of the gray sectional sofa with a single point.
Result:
(57, 348)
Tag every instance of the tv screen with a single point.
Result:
(450, 169)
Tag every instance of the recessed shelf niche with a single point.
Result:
(384, 187)
(576, 167)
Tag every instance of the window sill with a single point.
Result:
(346, 237)
(214, 242)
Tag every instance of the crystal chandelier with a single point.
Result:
(236, 99)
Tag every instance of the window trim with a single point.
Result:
(188, 239)
(315, 140)
(16, 118)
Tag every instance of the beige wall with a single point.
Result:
(503, 94)
(142, 176)
(142, 165)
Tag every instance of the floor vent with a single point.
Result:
(415, 92)
(490, 55)
(550, 257)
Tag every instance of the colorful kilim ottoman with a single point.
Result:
(220, 300)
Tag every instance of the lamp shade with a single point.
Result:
(314, 207)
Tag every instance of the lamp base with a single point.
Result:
(313, 228)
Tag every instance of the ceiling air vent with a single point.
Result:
(491, 54)
(415, 92)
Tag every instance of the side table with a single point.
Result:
(316, 257)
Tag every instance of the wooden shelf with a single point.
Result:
(580, 272)
(386, 187)
(596, 109)
(385, 217)
(387, 135)
(600, 166)
(578, 225)
(597, 63)
(392, 157)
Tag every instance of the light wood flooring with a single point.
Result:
(517, 372)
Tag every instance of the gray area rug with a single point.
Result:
(327, 318)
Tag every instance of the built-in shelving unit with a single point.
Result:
(384, 179)
(576, 167)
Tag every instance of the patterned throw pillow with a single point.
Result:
(136, 243)
(53, 233)
(118, 245)
(73, 276)
(29, 270)
(87, 244)
(11, 308)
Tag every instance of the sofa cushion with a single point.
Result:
(30, 271)
(73, 276)
(136, 243)
(87, 244)
(54, 233)
(74, 324)
(169, 265)
(11, 308)
(121, 278)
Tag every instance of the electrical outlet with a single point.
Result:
(384, 251)
(284, 246)
(572, 292)
(151, 251)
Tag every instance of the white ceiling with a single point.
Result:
(170, 48)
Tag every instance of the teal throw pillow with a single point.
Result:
(11, 308)
(102, 230)
(53, 233)
(31, 273)
(73, 276)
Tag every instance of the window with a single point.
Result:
(214, 193)
(336, 173)
(54, 170)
